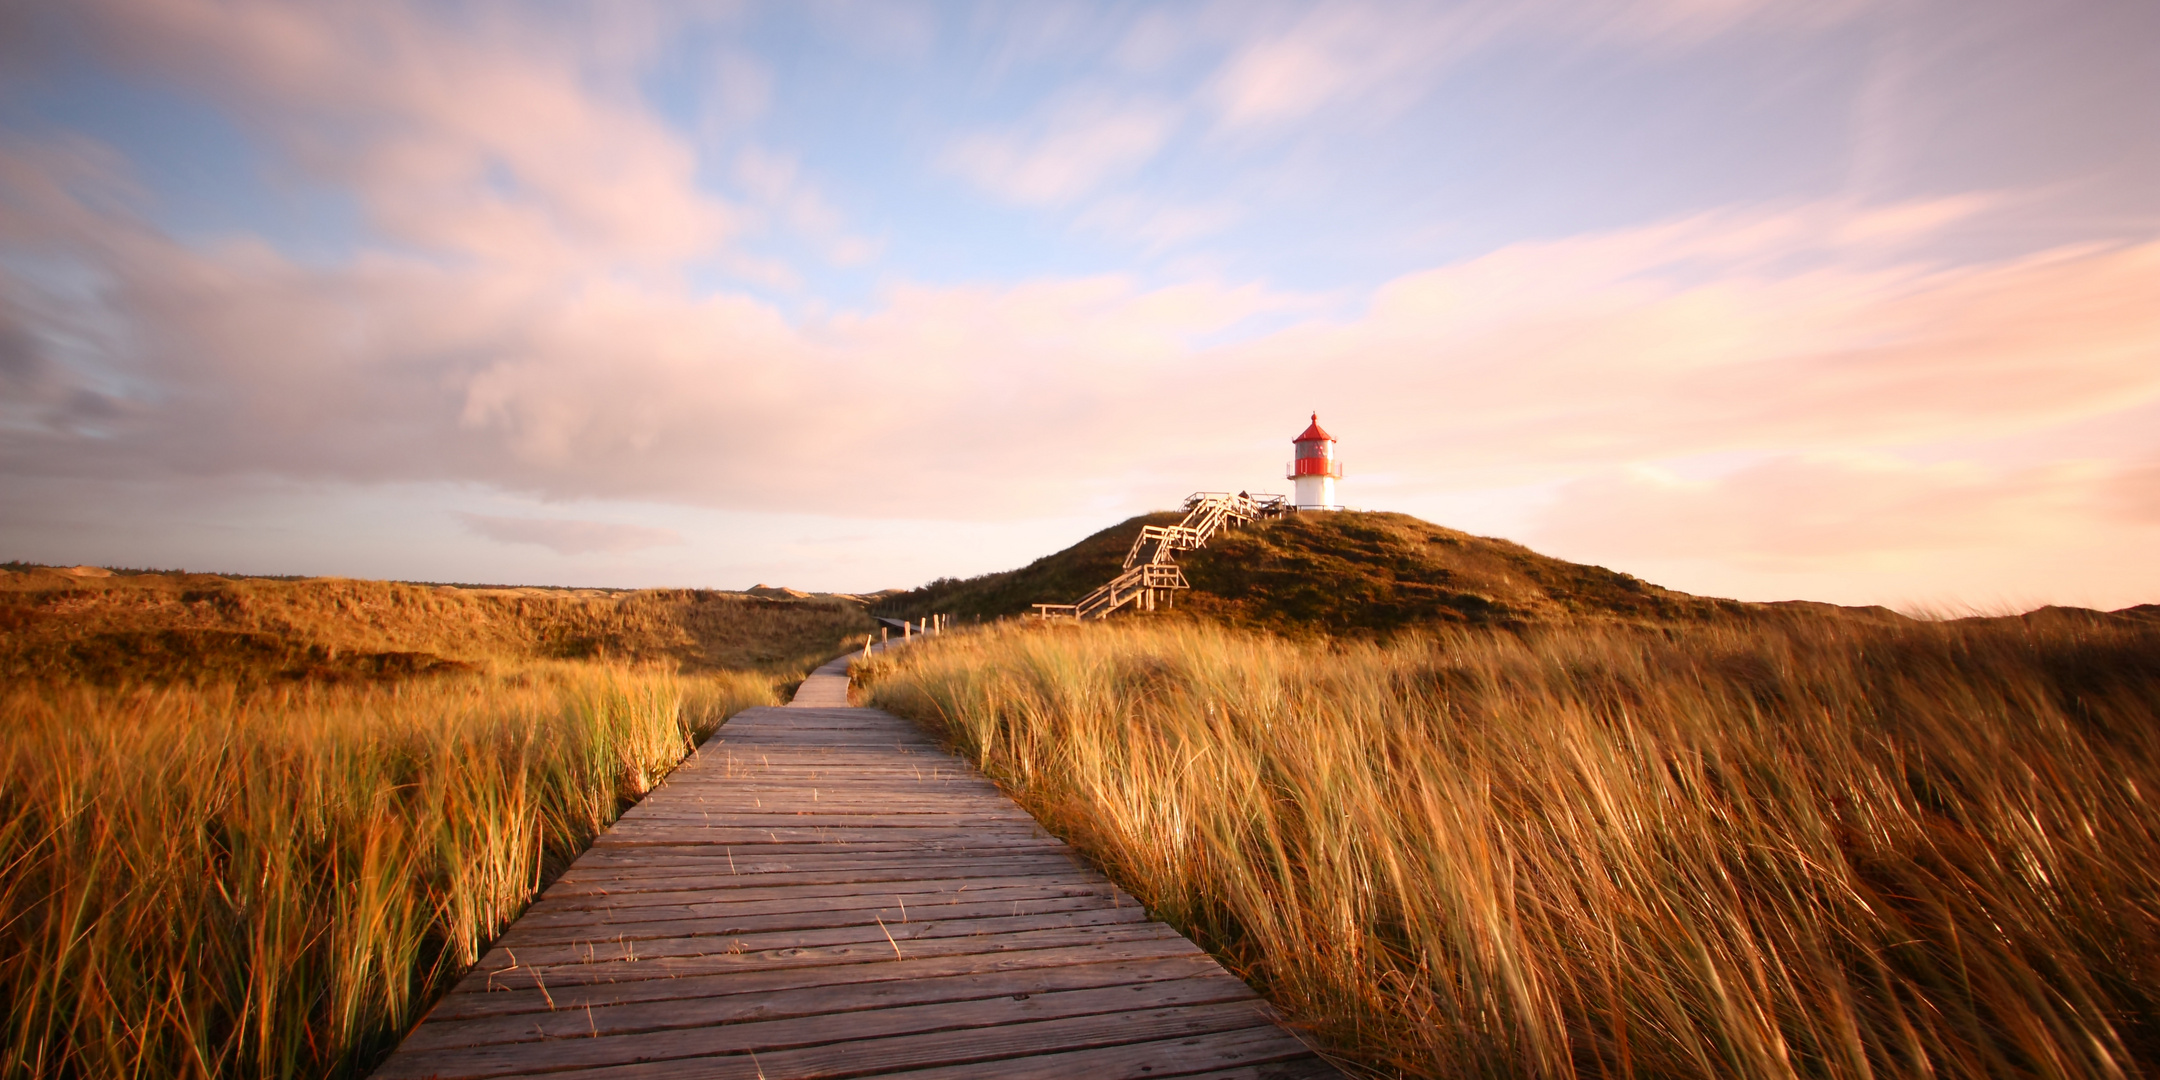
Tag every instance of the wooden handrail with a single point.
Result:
(1206, 513)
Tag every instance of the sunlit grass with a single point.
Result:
(160, 627)
(1800, 848)
(204, 880)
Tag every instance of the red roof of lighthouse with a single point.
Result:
(1314, 433)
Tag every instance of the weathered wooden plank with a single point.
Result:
(912, 896)
(771, 871)
(732, 1005)
(840, 799)
(854, 814)
(987, 834)
(597, 967)
(776, 785)
(1039, 963)
(984, 1044)
(837, 801)
(928, 841)
(752, 797)
(599, 1048)
(697, 834)
(809, 737)
(1302, 1067)
(791, 869)
(623, 895)
(804, 772)
(896, 918)
(1253, 1053)
(750, 759)
(628, 947)
(837, 809)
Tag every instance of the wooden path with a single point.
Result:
(822, 892)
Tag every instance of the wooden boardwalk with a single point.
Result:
(822, 892)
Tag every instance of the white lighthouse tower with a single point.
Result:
(1315, 469)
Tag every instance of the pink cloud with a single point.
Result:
(2134, 494)
(1330, 54)
(1806, 510)
(1286, 62)
(495, 135)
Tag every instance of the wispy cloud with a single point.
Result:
(774, 181)
(1067, 152)
(1285, 62)
(1335, 54)
(1155, 225)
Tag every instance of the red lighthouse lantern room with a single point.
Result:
(1315, 469)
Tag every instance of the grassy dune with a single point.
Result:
(1809, 846)
(1343, 574)
(206, 628)
(251, 828)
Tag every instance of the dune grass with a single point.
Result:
(203, 628)
(1803, 847)
(240, 880)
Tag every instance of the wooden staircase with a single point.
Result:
(1151, 574)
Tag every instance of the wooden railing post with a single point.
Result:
(1140, 582)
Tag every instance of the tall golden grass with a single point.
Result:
(1807, 847)
(206, 880)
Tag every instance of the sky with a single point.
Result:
(1769, 299)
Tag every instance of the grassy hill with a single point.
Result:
(1058, 578)
(1355, 573)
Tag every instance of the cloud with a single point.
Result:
(1157, 226)
(2133, 495)
(880, 27)
(738, 94)
(569, 536)
(1791, 329)
(1807, 510)
(1285, 62)
(484, 131)
(1785, 330)
(1334, 53)
(1068, 152)
(774, 181)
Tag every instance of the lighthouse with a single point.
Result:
(1315, 469)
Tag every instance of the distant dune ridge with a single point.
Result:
(106, 627)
